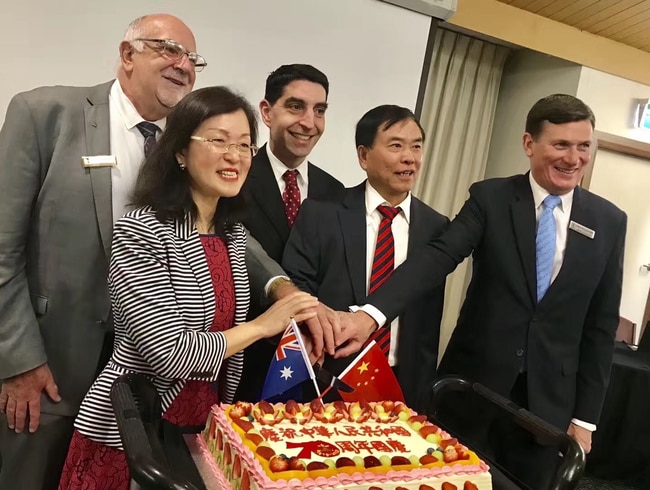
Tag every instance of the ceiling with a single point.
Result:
(625, 21)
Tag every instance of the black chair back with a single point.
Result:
(138, 411)
(478, 400)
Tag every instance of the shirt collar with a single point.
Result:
(539, 194)
(280, 168)
(128, 113)
(374, 199)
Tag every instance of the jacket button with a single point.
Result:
(520, 352)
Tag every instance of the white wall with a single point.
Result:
(613, 100)
(622, 179)
(527, 77)
(371, 51)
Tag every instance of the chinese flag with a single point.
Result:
(371, 377)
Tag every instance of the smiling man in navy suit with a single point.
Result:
(541, 311)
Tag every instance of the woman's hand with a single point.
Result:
(298, 306)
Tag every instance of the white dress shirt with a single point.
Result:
(127, 145)
(400, 228)
(280, 168)
(562, 215)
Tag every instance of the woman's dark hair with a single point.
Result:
(163, 185)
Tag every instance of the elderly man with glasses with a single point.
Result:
(69, 157)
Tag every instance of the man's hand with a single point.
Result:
(21, 396)
(355, 330)
(581, 435)
(325, 328)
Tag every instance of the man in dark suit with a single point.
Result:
(68, 159)
(339, 251)
(540, 315)
(281, 177)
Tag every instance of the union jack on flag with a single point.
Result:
(290, 366)
(289, 341)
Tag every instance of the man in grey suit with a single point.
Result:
(68, 159)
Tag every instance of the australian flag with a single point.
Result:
(290, 365)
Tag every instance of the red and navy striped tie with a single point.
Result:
(383, 265)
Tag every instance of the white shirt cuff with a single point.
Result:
(270, 281)
(584, 425)
(376, 315)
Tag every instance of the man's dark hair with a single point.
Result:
(163, 185)
(381, 117)
(557, 109)
(283, 76)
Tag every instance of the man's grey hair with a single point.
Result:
(136, 30)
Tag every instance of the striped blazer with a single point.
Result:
(163, 305)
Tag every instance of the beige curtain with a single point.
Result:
(457, 116)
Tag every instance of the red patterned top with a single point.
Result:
(192, 405)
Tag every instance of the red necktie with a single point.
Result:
(383, 265)
(291, 196)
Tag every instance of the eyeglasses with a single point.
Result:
(244, 149)
(175, 51)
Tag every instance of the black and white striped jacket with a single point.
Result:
(163, 305)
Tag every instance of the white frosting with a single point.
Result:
(351, 439)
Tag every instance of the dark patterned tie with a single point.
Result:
(383, 265)
(148, 130)
(291, 196)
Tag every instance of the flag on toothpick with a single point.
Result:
(290, 365)
(371, 377)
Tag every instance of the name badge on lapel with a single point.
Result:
(583, 230)
(97, 161)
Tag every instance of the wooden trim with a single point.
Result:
(621, 144)
(618, 144)
(532, 31)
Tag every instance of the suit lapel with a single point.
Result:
(317, 187)
(575, 242)
(190, 244)
(265, 191)
(417, 229)
(523, 225)
(352, 217)
(97, 126)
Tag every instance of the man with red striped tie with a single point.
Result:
(344, 251)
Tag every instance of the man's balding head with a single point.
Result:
(148, 75)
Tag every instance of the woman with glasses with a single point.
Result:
(179, 285)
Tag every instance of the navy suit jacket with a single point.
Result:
(565, 342)
(326, 256)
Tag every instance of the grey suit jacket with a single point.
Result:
(55, 237)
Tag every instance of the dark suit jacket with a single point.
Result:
(265, 217)
(565, 342)
(267, 222)
(326, 256)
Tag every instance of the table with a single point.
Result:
(621, 445)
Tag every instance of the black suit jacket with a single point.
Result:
(565, 343)
(326, 256)
(267, 222)
(265, 217)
